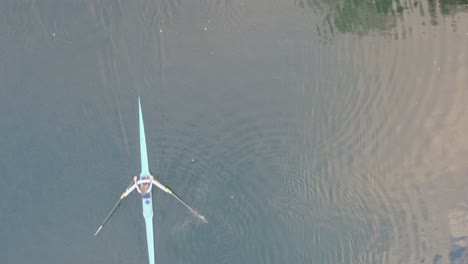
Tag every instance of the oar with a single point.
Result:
(111, 212)
(193, 211)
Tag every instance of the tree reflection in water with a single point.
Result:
(363, 17)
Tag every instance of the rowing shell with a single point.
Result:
(147, 199)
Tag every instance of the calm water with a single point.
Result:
(305, 131)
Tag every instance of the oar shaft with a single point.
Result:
(109, 215)
(122, 196)
(182, 202)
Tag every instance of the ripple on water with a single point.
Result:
(343, 212)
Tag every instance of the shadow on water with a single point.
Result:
(363, 17)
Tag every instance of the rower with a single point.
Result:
(143, 186)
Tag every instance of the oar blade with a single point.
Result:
(99, 229)
(193, 211)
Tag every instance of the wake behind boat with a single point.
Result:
(144, 186)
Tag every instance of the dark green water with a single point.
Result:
(305, 131)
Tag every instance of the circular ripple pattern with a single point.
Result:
(329, 170)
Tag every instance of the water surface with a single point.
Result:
(305, 131)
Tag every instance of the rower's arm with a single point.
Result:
(128, 191)
(160, 186)
(131, 188)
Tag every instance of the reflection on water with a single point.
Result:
(458, 233)
(380, 16)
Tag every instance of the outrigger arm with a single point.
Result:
(151, 180)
